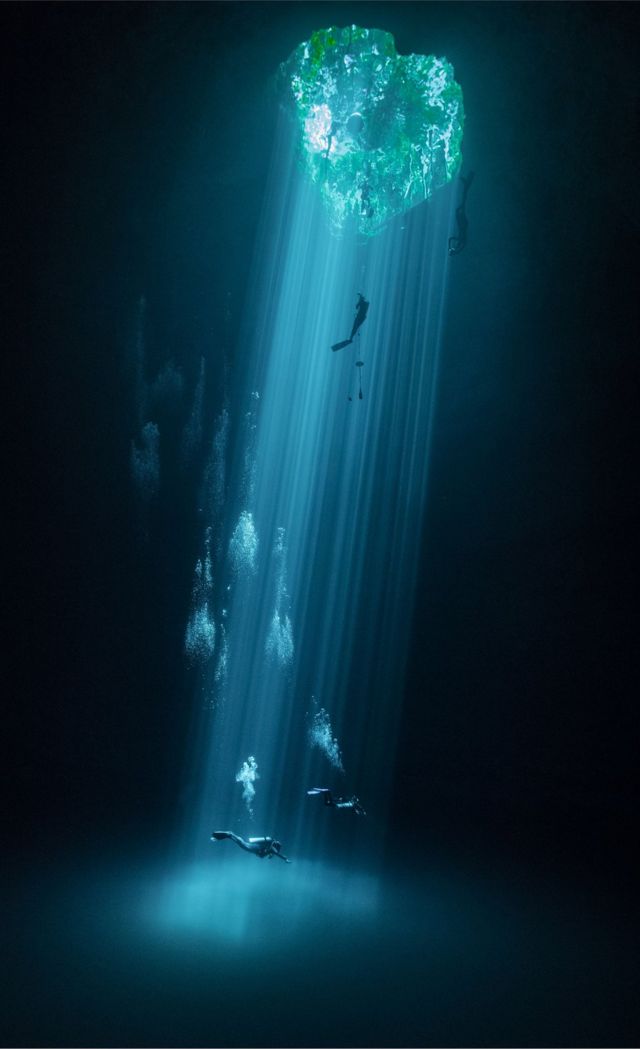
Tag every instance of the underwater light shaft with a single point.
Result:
(335, 497)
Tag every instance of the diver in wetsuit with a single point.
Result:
(457, 242)
(362, 308)
(339, 803)
(261, 847)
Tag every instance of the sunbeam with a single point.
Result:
(324, 517)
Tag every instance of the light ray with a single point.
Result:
(345, 481)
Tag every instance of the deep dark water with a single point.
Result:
(137, 139)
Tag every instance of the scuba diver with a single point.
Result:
(332, 131)
(366, 207)
(457, 242)
(258, 846)
(362, 308)
(339, 803)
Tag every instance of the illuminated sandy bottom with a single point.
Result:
(255, 903)
(258, 954)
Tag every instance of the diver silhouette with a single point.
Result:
(261, 847)
(362, 308)
(459, 240)
(366, 207)
(352, 803)
(332, 131)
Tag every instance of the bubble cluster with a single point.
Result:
(200, 635)
(321, 736)
(279, 643)
(247, 776)
(220, 675)
(243, 547)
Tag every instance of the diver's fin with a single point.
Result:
(341, 345)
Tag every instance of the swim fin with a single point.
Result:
(341, 345)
